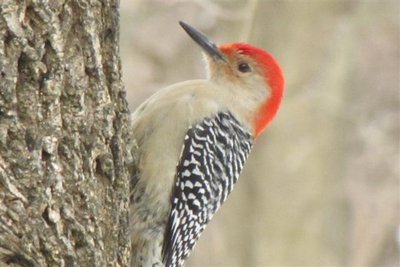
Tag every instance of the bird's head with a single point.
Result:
(249, 68)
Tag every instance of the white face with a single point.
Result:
(243, 73)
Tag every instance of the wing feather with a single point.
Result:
(212, 158)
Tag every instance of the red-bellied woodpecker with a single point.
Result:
(193, 139)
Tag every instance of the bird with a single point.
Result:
(192, 140)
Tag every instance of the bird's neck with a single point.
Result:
(267, 111)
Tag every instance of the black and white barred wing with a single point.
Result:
(212, 158)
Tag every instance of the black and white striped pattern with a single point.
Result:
(212, 158)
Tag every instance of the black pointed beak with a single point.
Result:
(209, 47)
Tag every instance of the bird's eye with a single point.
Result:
(244, 67)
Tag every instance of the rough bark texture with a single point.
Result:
(64, 187)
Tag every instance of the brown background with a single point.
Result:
(321, 187)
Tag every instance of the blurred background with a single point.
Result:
(322, 185)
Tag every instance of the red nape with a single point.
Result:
(273, 76)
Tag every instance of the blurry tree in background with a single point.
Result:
(322, 186)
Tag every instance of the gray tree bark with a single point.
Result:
(64, 182)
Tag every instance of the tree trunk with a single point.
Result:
(64, 182)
